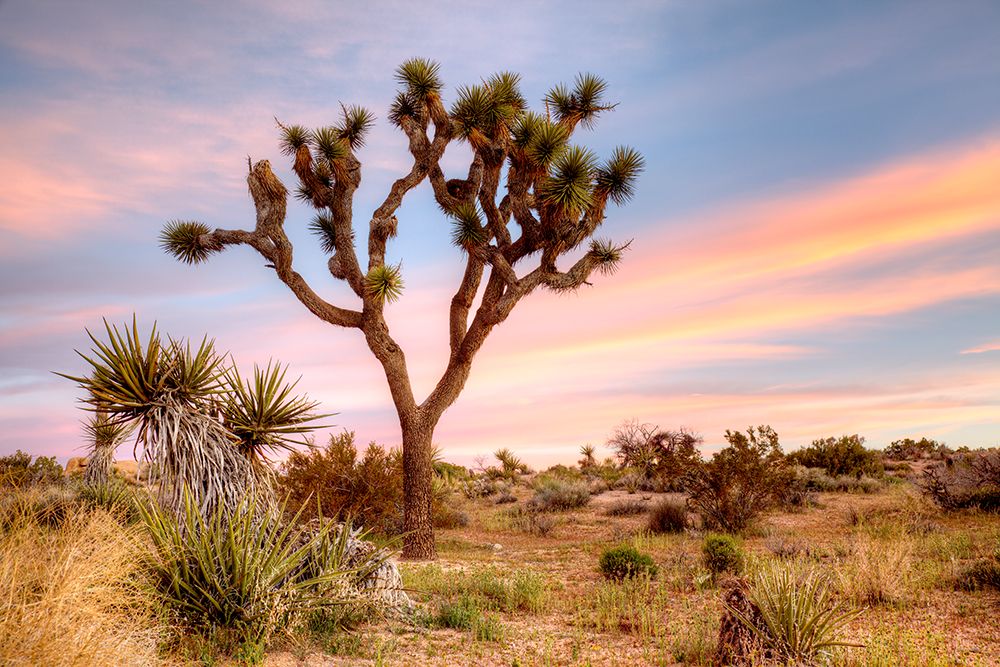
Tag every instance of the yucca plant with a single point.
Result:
(263, 414)
(799, 621)
(384, 283)
(104, 436)
(171, 394)
(243, 571)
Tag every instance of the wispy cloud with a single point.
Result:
(992, 346)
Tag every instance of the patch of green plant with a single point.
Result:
(624, 562)
(722, 553)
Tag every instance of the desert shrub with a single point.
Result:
(965, 480)
(632, 481)
(115, 497)
(741, 482)
(908, 449)
(242, 576)
(18, 469)
(75, 594)
(784, 548)
(798, 622)
(449, 517)
(667, 516)
(505, 496)
(627, 507)
(335, 481)
(816, 479)
(554, 495)
(510, 468)
(662, 456)
(722, 553)
(479, 487)
(982, 574)
(625, 562)
(845, 455)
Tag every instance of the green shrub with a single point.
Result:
(18, 469)
(799, 622)
(909, 449)
(741, 482)
(554, 495)
(625, 562)
(722, 553)
(845, 455)
(668, 516)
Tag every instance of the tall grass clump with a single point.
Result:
(798, 621)
(75, 595)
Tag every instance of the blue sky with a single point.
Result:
(816, 233)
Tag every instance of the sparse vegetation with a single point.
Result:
(662, 457)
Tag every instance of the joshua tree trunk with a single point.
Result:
(556, 196)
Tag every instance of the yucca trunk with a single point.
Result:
(100, 465)
(189, 449)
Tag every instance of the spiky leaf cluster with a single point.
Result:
(420, 77)
(467, 227)
(293, 137)
(263, 413)
(547, 142)
(488, 110)
(402, 107)
(129, 377)
(607, 254)
(384, 283)
(322, 226)
(103, 431)
(616, 179)
(569, 188)
(328, 142)
(582, 104)
(354, 126)
(182, 239)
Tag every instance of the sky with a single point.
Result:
(816, 236)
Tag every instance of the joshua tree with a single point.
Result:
(554, 200)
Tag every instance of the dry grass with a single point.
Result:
(71, 595)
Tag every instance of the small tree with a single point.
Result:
(845, 455)
(662, 455)
(556, 196)
(741, 482)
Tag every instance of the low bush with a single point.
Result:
(843, 456)
(970, 480)
(662, 457)
(18, 470)
(668, 516)
(722, 553)
(982, 574)
(555, 495)
(908, 449)
(741, 482)
(627, 507)
(625, 562)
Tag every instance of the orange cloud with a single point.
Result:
(993, 346)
